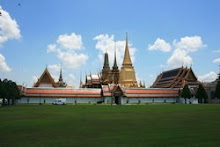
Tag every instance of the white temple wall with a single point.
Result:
(33, 100)
(148, 100)
(107, 100)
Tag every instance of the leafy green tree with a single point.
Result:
(4, 91)
(1, 92)
(9, 90)
(15, 92)
(217, 89)
(186, 93)
(201, 94)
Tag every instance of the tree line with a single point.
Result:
(8, 92)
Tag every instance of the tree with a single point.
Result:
(15, 92)
(217, 89)
(4, 91)
(186, 93)
(9, 90)
(1, 92)
(201, 94)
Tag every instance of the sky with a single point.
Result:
(75, 34)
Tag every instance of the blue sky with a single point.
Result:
(162, 35)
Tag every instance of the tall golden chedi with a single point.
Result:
(127, 76)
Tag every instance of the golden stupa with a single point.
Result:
(127, 76)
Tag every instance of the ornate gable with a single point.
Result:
(191, 76)
(45, 80)
(117, 91)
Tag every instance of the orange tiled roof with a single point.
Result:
(43, 92)
(96, 93)
(151, 92)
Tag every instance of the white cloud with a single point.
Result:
(178, 58)
(9, 28)
(66, 50)
(209, 77)
(217, 60)
(71, 41)
(161, 45)
(51, 48)
(183, 48)
(54, 67)
(107, 43)
(190, 44)
(72, 81)
(72, 59)
(3, 65)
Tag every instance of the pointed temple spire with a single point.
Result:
(115, 66)
(127, 58)
(127, 76)
(61, 83)
(105, 70)
(106, 61)
(61, 74)
(115, 71)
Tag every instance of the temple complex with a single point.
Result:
(113, 86)
(125, 77)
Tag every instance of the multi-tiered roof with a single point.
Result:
(176, 78)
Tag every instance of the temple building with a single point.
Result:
(109, 76)
(106, 72)
(176, 78)
(108, 94)
(210, 88)
(91, 81)
(113, 86)
(46, 80)
(115, 72)
(127, 76)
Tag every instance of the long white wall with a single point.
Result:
(108, 100)
(32, 100)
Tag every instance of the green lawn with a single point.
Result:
(104, 125)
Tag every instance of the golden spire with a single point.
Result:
(127, 58)
(127, 74)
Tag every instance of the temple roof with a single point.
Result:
(64, 92)
(45, 78)
(175, 78)
(108, 90)
(106, 62)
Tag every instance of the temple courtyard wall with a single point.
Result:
(107, 100)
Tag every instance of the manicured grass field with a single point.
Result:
(104, 125)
